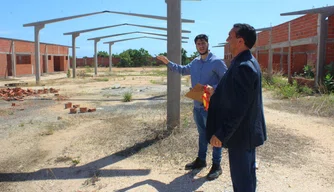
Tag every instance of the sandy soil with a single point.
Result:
(123, 146)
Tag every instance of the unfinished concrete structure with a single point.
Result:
(288, 47)
(97, 39)
(17, 58)
(120, 34)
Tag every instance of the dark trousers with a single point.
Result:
(242, 167)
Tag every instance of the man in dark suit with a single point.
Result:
(235, 117)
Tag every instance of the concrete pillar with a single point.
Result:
(74, 57)
(174, 54)
(13, 60)
(46, 59)
(320, 50)
(95, 54)
(289, 54)
(68, 60)
(110, 56)
(281, 60)
(270, 56)
(37, 28)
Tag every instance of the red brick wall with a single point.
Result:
(102, 61)
(3, 65)
(280, 33)
(302, 27)
(5, 45)
(330, 35)
(263, 59)
(263, 38)
(305, 26)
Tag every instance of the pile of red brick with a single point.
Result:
(18, 94)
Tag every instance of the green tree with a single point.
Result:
(125, 59)
(102, 54)
(115, 55)
(184, 58)
(145, 57)
(194, 55)
(164, 54)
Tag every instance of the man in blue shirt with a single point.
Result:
(207, 70)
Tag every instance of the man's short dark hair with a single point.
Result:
(202, 37)
(247, 32)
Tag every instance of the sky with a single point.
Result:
(212, 17)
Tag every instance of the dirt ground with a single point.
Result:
(124, 146)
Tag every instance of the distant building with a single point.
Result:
(17, 58)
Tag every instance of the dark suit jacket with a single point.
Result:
(235, 112)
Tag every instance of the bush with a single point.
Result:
(282, 88)
(68, 73)
(308, 71)
(127, 97)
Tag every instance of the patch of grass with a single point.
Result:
(65, 159)
(158, 73)
(51, 127)
(159, 82)
(21, 125)
(101, 79)
(75, 161)
(320, 105)
(68, 73)
(6, 112)
(127, 97)
(88, 69)
(283, 89)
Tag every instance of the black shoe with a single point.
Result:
(214, 173)
(197, 164)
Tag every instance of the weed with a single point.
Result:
(127, 97)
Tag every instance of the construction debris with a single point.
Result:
(73, 110)
(92, 110)
(68, 105)
(10, 94)
(76, 106)
(83, 109)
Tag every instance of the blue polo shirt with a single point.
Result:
(205, 72)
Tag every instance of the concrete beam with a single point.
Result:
(304, 41)
(141, 32)
(150, 16)
(264, 29)
(94, 29)
(323, 10)
(120, 40)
